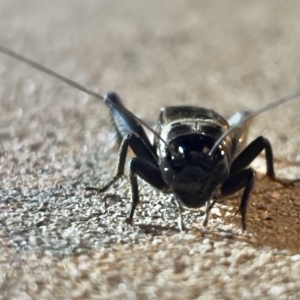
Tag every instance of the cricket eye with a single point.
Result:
(175, 153)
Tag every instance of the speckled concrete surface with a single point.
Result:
(59, 243)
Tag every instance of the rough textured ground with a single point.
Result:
(57, 242)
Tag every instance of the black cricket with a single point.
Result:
(182, 162)
(197, 156)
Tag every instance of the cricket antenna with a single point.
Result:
(72, 83)
(267, 107)
(49, 72)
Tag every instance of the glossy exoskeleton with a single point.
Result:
(197, 155)
(180, 161)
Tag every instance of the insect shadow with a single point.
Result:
(197, 156)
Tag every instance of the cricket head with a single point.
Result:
(190, 171)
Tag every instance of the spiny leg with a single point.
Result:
(125, 122)
(251, 152)
(244, 178)
(134, 142)
(147, 172)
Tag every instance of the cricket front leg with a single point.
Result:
(208, 207)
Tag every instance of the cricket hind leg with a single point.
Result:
(251, 152)
(145, 166)
(124, 121)
(240, 133)
(138, 146)
(131, 134)
(115, 99)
